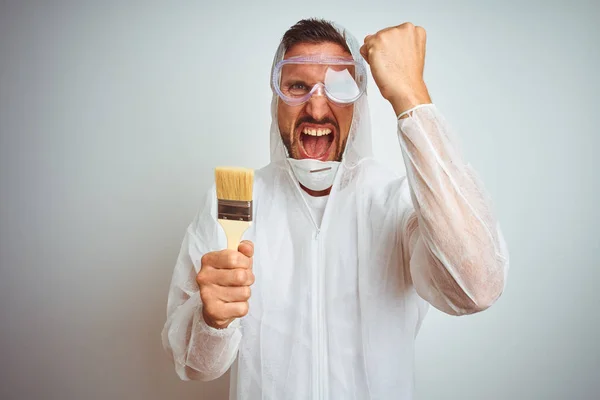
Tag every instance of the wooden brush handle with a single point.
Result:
(234, 231)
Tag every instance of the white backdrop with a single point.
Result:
(113, 115)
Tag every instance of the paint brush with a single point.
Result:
(234, 202)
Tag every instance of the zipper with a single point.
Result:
(322, 350)
(316, 364)
(320, 385)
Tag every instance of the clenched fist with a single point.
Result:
(224, 280)
(396, 56)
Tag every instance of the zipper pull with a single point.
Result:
(317, 234)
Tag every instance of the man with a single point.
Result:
(348, 256)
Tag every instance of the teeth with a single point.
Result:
(316, 132)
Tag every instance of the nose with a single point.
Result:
(318, 105)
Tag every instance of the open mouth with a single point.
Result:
(316, 141)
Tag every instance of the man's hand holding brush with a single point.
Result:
(224, 281)
(225, 276)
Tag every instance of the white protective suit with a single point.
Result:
(335, 308)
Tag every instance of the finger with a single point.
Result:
(246, 247)
(367, 38)
(209, 277)
(226, 259)
(230, 277)
(235, 310)
(221, 312)
(233, 294)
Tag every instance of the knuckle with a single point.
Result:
(251, 278)
(201, 279)
(204, 259)
(222, 321)
(243, 309)
(209, 309)
(239, 277)
(246, 292)
(232, 259)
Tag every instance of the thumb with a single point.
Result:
(246, 247)
(364, 53)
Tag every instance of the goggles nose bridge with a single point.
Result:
(317, 90)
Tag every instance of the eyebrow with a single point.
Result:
(293, 80)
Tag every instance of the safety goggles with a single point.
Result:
(297, 79)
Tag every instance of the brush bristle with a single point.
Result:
(234, 183)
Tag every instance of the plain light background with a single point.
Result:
(114, 114)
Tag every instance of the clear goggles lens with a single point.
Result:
(297, 79)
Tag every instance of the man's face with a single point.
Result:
(304, 128)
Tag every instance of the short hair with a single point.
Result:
(313, 30)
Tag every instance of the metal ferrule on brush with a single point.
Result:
(234, 210)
